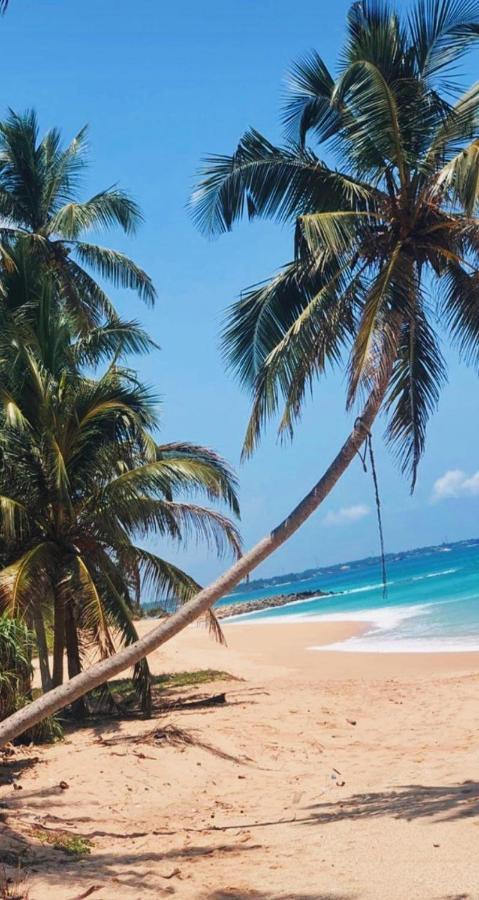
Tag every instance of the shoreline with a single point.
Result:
(355, 628)
(305, 646)
(381, 630)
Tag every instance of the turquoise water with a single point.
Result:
(432, 602)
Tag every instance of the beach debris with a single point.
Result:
(174, 873)
(351, 721)
(64, 785)
(89, 891)
(334, 777)
(214, 700)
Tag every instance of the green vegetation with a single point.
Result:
(385, 243)
(125, 687)
(16, 649)
(83, 478)
(72, 844)
(16, 642)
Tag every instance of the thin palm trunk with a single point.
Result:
(43, 659)
(58, 636)
(79, 708)
(127, 657)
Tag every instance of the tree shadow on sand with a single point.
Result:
(23, 853)
(246, 894)
(412, 801)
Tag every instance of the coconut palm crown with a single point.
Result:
(386, 240)
(40, 210)
(82, 483)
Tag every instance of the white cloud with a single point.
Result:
(471, 485)
(346, 515)
(455, 483)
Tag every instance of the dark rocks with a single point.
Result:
(236, 609)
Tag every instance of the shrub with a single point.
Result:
(16, 651)
(16, 647)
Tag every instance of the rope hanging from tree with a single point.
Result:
(368, 451)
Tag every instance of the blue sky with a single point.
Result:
(161, 85)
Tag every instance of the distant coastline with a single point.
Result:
(338, 568)
(249, 606)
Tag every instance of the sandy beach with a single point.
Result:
(325, 776)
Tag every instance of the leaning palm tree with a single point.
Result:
(386, 242)
(40, 210)
(379, 239)
(82, 484)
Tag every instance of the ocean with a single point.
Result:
(432, 601)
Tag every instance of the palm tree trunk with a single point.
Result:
(126, 657)
(58, 636)
(42, 646)
(79, 708)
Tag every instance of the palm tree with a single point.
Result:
(386, 242)
(82, 480)
(40, 210)
(32, 316)
(378, 240)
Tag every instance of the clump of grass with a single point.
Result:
(123, 687)
(12, 888)
(73, 844)
(48, 731)
(16, 643)
(120, 695)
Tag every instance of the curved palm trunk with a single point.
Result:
(102, 671)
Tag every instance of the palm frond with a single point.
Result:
(200, 523)
(117, 268)
(316, 339)
(461, 177)
(22, 582)
(169, 584)
(92, 611)
(215, 629)
(114, 339)
(457, 126)
(379, 310)
(119, 614)
(441, 31)
(377, 114)
(263, 180)
(260, 318)
(334, 233)
(193, 467)
(15, 519)
(418, 376)
(309, 101)
(460, 311)
(105, 210)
